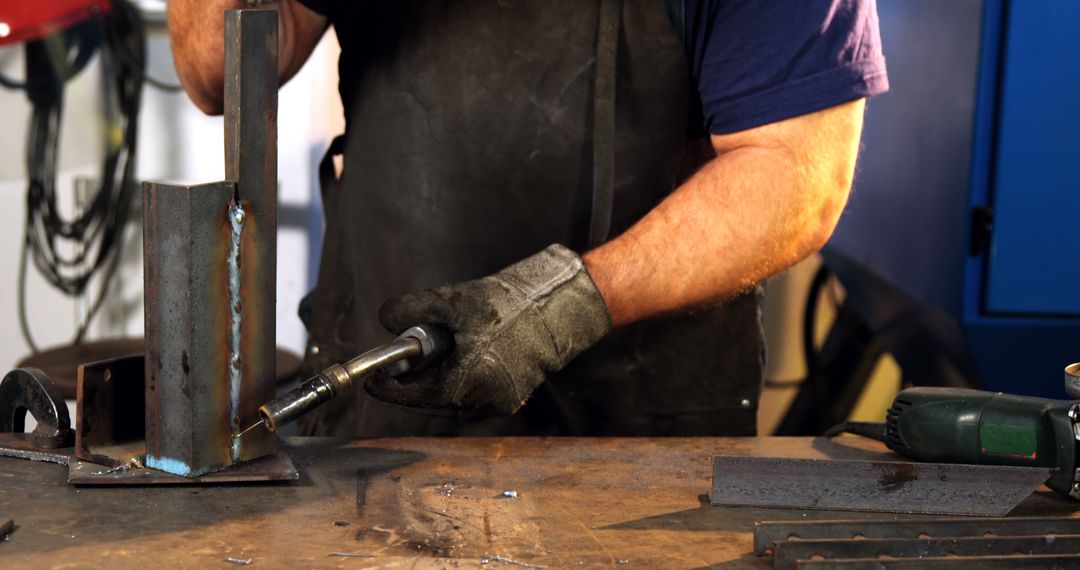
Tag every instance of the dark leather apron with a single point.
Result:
(470, 145)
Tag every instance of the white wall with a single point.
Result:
(176, 143)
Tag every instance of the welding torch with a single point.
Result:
(414, 349)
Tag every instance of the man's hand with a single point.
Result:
(510, 330)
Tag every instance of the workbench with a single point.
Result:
(424, 503)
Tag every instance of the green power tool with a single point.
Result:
(953, 425)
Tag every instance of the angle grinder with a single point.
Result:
(413, 350)
(954, 425)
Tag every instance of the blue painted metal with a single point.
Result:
(1034, 264)
(983, 110)
(982, 155)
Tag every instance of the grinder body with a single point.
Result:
(972, 426)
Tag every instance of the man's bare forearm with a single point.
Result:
(770, 198)
(197, 33)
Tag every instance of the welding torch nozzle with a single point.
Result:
(412, 350)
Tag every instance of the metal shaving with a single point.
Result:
(506, 560)
(240, 561)
(133, 463)
(352, 554)
(509, 494)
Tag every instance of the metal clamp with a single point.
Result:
(29, 390)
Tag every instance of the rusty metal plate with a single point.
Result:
(21, 445)
(276, 467)
(109, 410)
(875, 486)
(1013, 562)
(767, 533)
(787, 555)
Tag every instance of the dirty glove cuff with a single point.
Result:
(510, 330)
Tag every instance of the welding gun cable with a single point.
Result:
(95, 234)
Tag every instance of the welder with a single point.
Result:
(585, 193)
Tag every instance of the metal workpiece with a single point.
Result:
(110, 406)
(251, 88)
(788, 554)
(874, 486)
(26, 390)
(768, 533)
(276, 467)
(251, 97)
(412, 350)
(193, 400)
(210, 277)
(186, 235)
(1004, 562)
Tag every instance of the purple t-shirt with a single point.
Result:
(761, 61)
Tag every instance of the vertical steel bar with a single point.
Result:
(251, 83)
(185, 241)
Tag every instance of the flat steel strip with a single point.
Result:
(1028, 562)
(767, 533)
(251, 106)
(787, 554)
(874, 486)
(21, 446)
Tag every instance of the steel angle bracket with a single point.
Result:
(874, 486)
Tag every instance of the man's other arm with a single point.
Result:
(771, 197)
(197, 33)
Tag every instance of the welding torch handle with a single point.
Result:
(414, 349)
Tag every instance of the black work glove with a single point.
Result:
(510, 330)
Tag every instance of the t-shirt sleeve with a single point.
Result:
(758, 62)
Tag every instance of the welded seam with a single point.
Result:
(237, 215)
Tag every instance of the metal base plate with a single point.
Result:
(21, 445)
(276, 467)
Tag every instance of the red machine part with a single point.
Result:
(26, 20)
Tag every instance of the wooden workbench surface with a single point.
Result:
(422, 503)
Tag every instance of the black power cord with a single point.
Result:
(71, 252)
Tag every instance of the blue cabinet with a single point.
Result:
(1034, 258)
(965, 215)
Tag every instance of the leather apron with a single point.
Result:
(470, 145)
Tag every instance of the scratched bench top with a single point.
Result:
(423, 503)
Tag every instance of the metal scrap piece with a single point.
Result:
(352, 554)
(787, 554)
(240, 561)
(505, 560)
(110, 404)
(767, 533)
(1013, 562)
(21, 446)
(875, 486)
